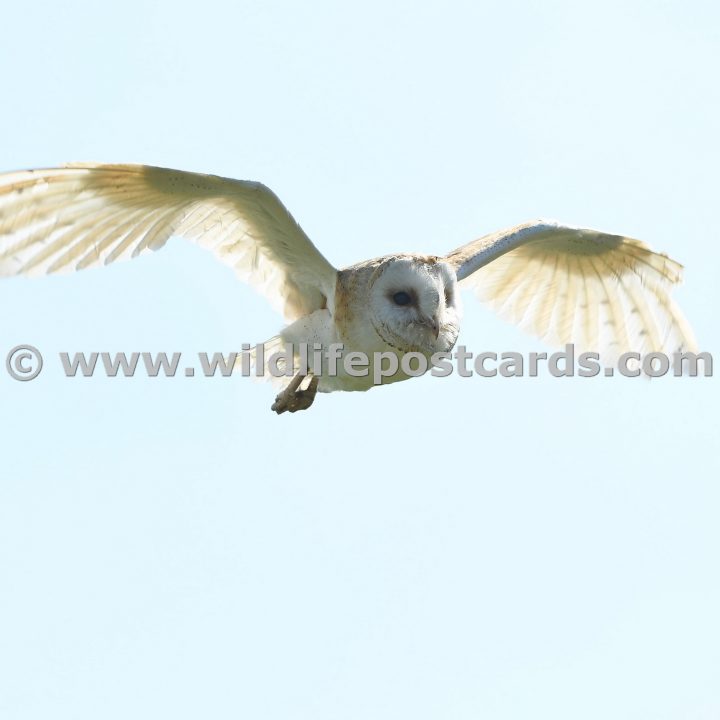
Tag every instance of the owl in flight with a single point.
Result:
(605, 293)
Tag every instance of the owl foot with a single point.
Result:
(293, 399)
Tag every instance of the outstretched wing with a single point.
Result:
(83, 215)
(604, 293)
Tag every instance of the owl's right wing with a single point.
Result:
(84, 215)
(605, 293)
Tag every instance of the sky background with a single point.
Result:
(439, 549)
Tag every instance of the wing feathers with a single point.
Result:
(82, 215)
(605, 293)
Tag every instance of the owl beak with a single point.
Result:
(434, 324)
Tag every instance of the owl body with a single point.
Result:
(362, 317)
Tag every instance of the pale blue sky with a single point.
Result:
(439, 549)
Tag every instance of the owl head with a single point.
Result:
(415, 304)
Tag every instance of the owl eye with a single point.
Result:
(402, 298)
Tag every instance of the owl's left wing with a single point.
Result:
(604, 293)
(85, 215)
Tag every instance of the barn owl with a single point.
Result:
(603, 292)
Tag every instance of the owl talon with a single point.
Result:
(293, 399)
